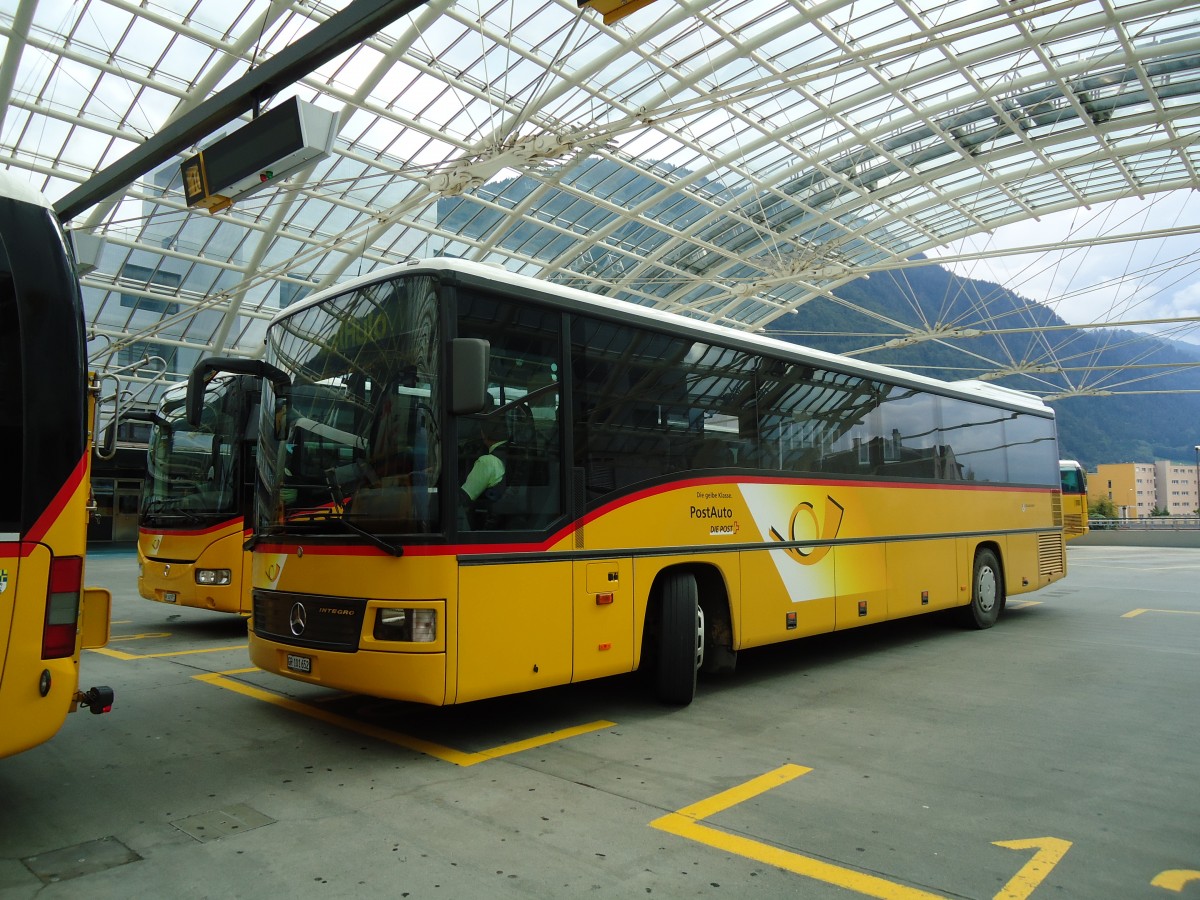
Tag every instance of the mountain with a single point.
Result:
(1091, 429)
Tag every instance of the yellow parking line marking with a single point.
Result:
(685, 823)
(122, 655)
(1175, 879)
(543, 740)
(115, 654)
(1050, 851)
(429, 748)
(1179, 612)
(1021, 604)
(138, 637)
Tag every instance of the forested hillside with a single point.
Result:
(1112, 429)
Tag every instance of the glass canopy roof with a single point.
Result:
(729, 160)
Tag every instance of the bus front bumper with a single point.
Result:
(175, 583)
(414, 677)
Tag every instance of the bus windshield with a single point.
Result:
(192, 473)
(1074, 480)
(360, 448)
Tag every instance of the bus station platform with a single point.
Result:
(1053, 755)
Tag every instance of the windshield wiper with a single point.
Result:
(169, 508)
(327, 516)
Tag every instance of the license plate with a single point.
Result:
(170, 597)
(302, 664)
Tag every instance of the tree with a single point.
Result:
(1102, 509)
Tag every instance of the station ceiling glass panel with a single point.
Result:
(730, 160)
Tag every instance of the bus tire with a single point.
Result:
(987, 591)
(680, 640)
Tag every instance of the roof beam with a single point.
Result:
(358, 21)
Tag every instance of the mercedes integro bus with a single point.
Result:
(672, 492)
(195, 516)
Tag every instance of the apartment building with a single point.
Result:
(1137, 489)
(1177, 488)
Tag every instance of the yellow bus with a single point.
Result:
(197, 497)
(46, 615)
(1074, 499)
(673, 492)
(196, 515)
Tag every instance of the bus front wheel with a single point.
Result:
(987, 592)
(680, 640)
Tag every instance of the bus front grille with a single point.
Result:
(309, 620)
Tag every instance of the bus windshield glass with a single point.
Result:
(192, 473)
(1074, 481)
(356, 445)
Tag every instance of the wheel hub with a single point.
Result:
(986, 590)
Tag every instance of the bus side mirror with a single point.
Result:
(206, 369)
(469, 361)
(148, 416)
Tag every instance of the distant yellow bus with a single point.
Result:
(197, 498)
(46, 615)
(196, 515)
(1074, 499)
(672, 492)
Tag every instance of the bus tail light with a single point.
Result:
(62, 607)
(412, 625)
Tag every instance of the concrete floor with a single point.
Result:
(1052, 756)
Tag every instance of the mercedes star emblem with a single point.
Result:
(297, 619)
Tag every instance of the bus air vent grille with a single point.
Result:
(1051, 559)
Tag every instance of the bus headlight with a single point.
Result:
(213, 576)
(413, 625)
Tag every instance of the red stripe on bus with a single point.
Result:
(226, 524)
(482, 549)
(19, 549)
(820, 484)
(54, 510)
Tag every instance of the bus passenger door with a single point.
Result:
(514, 628)
(603, 633)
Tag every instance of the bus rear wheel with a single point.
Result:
(680, 640)
(987, 592)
